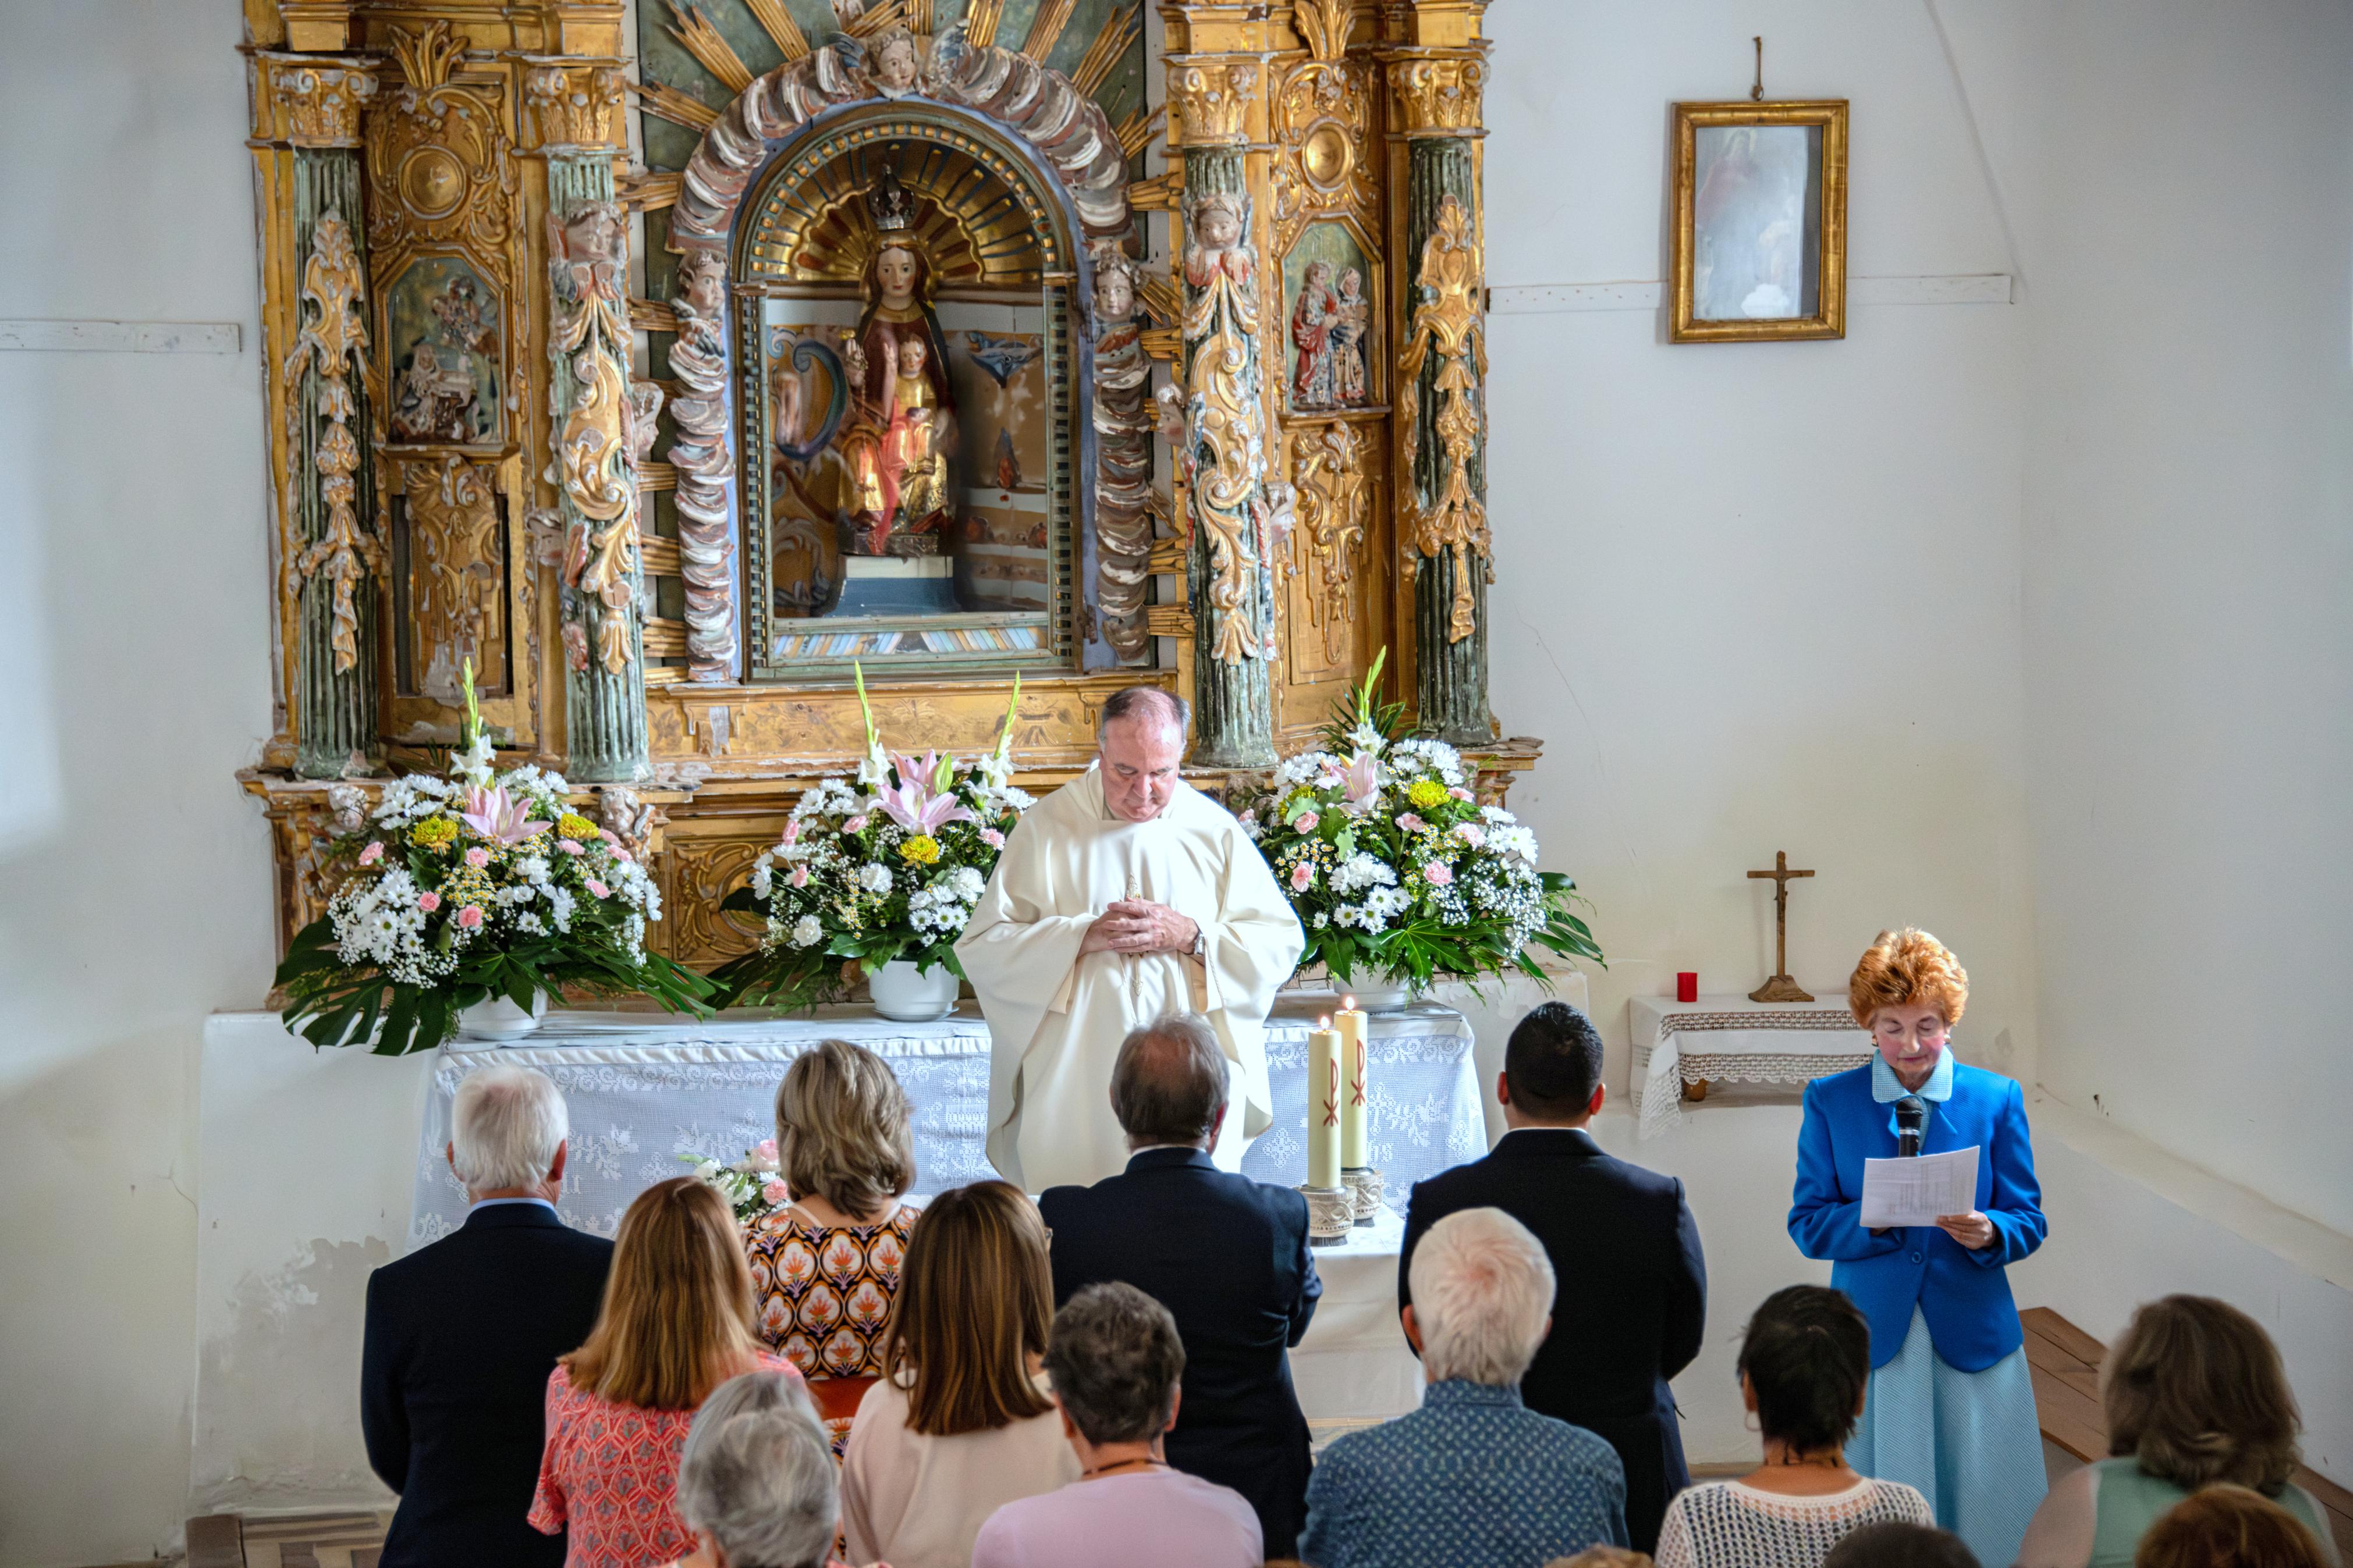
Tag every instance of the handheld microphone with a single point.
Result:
(1911, 1123)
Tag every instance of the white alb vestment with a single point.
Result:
(1055, 1019)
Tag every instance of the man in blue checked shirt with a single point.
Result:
(1473, 1476)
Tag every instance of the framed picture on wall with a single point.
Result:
(1760, 222)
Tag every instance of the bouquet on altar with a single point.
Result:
(1394, 866)
(884, 866)
(753, 1186)
(462, 890)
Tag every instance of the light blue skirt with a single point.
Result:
(1969, 1441)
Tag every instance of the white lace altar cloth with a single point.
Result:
(643, 1092)
(1732, 1039)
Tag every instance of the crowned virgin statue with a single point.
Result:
(902, 425)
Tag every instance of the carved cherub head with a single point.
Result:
(896, 62)
(702, 282)
(597, 235)
(1115, 281)
(1214, 220)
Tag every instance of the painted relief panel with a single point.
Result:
(445, 330)
(449, 576)
(1327, 287)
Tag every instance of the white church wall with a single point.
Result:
(134, 881)
(1758, 596)
(2189, 484)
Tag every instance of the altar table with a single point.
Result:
(645, 1093)
(1733, 1039)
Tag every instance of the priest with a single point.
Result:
(1123, 896)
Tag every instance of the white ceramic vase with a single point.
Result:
(906, 997)
(500, 1019)
(1381, 992)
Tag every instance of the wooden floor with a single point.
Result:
(2065, 1362)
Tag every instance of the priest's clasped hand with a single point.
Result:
(1139, 925)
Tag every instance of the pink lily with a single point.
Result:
(1363, 779)
(490, 814)
(912, 805)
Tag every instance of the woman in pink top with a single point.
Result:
(676, 1323)
(1115, 1360)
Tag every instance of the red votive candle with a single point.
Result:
(1686, 986)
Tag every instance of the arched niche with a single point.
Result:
(768, 210)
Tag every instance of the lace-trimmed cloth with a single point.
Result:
(1728, 1524)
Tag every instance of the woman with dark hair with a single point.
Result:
(964, 1423)
(1804, 1365)
(2195, 1396)
(2229, 1527)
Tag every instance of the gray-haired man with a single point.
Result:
(462, 1334)
(1227, 1255)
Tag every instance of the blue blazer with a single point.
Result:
(1964, 1295)
(1228, 1257)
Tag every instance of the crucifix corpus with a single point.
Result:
(1780, 988)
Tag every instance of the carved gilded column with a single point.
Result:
(331, 557)
(1217, 117)
(1442, 369)
(601, 424)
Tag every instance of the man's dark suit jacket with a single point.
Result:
(453, 1381)
(1632, 1302)
(1227, 1256)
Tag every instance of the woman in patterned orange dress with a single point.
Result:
(824, 1268)
(676, 1323)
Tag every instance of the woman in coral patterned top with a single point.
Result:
(825, 1269)
(676, 1323)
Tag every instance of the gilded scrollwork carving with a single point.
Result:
(1449, 323)
(1323, 124)
(1437, 95)
(697, 359)
(457, 595)
(596, 440)
(332, 346)
(1223, 456)
(1212, 103)
(697, 874)
(1327, 468)
(1323, 27)
(574, 106)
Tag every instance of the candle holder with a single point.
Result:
(1364, 1188)
(1330, 1211)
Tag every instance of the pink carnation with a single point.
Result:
(1307, 821)
(570, 846)
(372, 854)
(767, 1149)
(607, 835)
(598, 888)
(994, 840)
(793, 831)
(774, 1192)
(1301, 875)
(428, 903)
(856, 824)
(1437, 873)
(1470, 833)
(1459, 793)
(477, 856)
(470, 916)
(1411, 823)
(799, 879)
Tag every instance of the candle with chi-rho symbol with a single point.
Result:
(1324, 1093)
(1355, 1108)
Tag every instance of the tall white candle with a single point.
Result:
(1325, 1091)
(1354, 1061)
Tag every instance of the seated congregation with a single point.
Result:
(1099, 1376)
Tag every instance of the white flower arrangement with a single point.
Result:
(883, 865)
(750, 1185)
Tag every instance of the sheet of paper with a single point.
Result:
(1915, 1191)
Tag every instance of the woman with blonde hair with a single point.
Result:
(2195, 1397)
(964, 1424)
(676, 1323)
(824, 1268)
(1950, 1409)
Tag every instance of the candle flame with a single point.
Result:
(1347, 1003)
(1322, 1023)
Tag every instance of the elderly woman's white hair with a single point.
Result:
(505, 1125)
(1483, 1291)
(757, 1477)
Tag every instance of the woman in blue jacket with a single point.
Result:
(1950, 1406)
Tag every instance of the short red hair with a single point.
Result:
(1908, 968)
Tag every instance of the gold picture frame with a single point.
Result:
(1760, 222)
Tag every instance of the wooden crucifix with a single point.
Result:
(1780, 988)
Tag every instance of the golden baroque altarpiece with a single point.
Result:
(657, 380)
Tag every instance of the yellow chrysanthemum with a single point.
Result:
(575, 827)
(434, 833)
(1427, 794)
(923, 849)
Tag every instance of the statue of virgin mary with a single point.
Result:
(903, 427)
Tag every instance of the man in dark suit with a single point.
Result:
(462, 1334)
(1227, 1255)
(1632, 1298)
